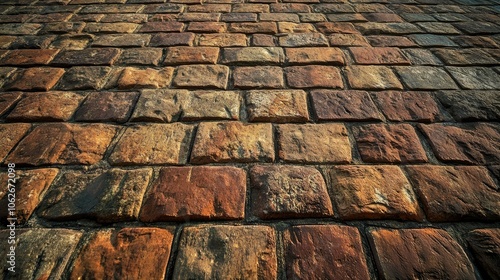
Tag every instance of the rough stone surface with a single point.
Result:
(92, 57)
(46, 106)
(233, 252)
(202, 76)
(413, 253)
(10, 135)
(474, 105)
(313, 76)
(426, 77)
(378, 56)
(191, 55)
(408, 106)
(252, 55)
(138, 253)
(232, 142)
(97, 107)
(330, 56)
(279, 106)
(159, 105)
(373, 192)
(215, 105)
(84, 77)
(475, 77)
(328, 143)
(485, 244)
(258, 77)
(7, 100)
(133, 78)
(372, 77)
(324, 252)
(196, 193)
(347, 105)
(35, 79)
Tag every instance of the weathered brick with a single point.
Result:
(471, 105)
(263, 40)
(11, 134)
(84, 77)
(134, 78)
(408, 106)
(413, 253)
(96, 195)
(248, 252)
(327, 143)
(313, 76)
(121, 40)
(477, 27)
(163, 8)
(378, 56)
(311, 250)
(233, 142)
(373, 192)
(372, 77)
(396, 28)
(71, 42)
(253, 27)
(153, 144)
(425, 77)
(238, 17)
(93, 57)
(7, 100)
(206, 27)
(475, 77)
(430, 40)
(210, 8)
(96, 107)
(289, 8)
(475, 41)
(53, 17)
(214, 105)
(277, 17)
(348, 40)
(253, 55)
(223, 40)
(330, 56)
(329, 8)
(189, 17)
(32, 42)
(30, 187)
(62, 28)
(132, 18)
(289, 192)
(172, 39)
(336, 27)
(191, 55)
(6, 41)
(303, 40)
(128, 252)
(438, 28)
(49, 252)
(291, 27)
(110, 9)
(63, 143)
(46, 106)
(258, 77)
(161, 26)
(397, 143)
(6, 73)
(196, 193)
(383, 17)
(19, 28)
(35, 79)
(337, 17)
(344, 105)
(421, 57)
(477, 143)
(204, 76)
(311, 17)
(140, 56)
(279, 106)
(159, 105)
(390, 41)
(485, 244)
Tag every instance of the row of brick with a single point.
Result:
(252, 252)
(211, 193)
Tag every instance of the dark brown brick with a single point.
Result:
(336, 27)
(172, 39)
(135, 78)
(390, 41)
(313, 76)
(35, 79)
(206, 27)
(84, 77)
(28, 57)
(93, 57)
(140, 56)
(97, 107)
(263, 40)
(121, 40)
(258, 77)
(159, 105)
(191, 55)
(11, 134)
(161, 26)
(7, 100)
(46, 106)
(238, 17)
(344, 105)
(485, 244)
(202, 76)
(408, 106)
(330, 56)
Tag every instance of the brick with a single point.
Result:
(172, 39)
(313, 76)
(378, 56)
(196, 193)
(11, 134)
(62, 143)
(35, 79)
(206, 27)
(6, 41)
(28, 57)
(477, 27)
(250, 8)
(92, 57)
(96, 107)
(30, 187)
(161, 26)
(276, 17)
(289, 8)
(311, 250)
(336, 27)
(348, 40)
(383, 143)
(48, 250)
(54, 17)
(396, 28)
(485, 244)
(411, 253)
(475, 41)
(253, 27)
(390, 41)
(438, 28)
(258, 77)
(311, 17)
(471, 105)
(249, 252)
(19, 28)
(327, 143)
(329, 8)
(191, 55)
(465, 57)
(238, 17)
(330, 56)
(425, 77)
(277, 106)
(62, 28)
(263, 40)
(408, 106)
(159, 105)
(131, 18)
(430, 40)
(46, 106)
(373, 192)
(14, 18)
(110, 9)
(232, 142)
(87, 17)
(303, 40)
(337, 17)
(140, 56)
(290, 27)
(477, 143)
(223, 40)
(128, 252)
(189, 17)
(421, 57)
(153, 144)
(288, 192)
(475, 77)
(214, 105)
(7, 100)
(205, 76)
(383, 17)
(134, 78)
(33, 42)
(84, 77)
(71, 42)
(252, 55)
(330, 105)
(96, 195)
(371, 8)
(210, 8)
(372, 77)
(163, 8)
(121, 40)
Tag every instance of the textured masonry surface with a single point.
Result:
(251, 139)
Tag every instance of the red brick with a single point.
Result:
(38, 78)
(223, 40)
(161, 26)
(390, 41)
(372, 77)
(313, 76)
(28, 57)
(196, 193)
(64, 144)
(191, 55)
(413, 253)
(206, 27)
(336, 27)
(477, 143)
(378, 56)
(485, 244)
(346, 105)
(289, 192)
(202, 76)
(330, 56)
(253, 27)
(408, 106)
(128, 252)
(172, 39)
(263, 40)
(279, 106)
(347, 40)
(232, 142)
(93, 56)
(324, 252)
(97, 107)
(397, 143)
(10, 135)
(258, 77)
(46, 106)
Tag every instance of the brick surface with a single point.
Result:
(121, 40)
(159, 105)
(93, 56)
(140, 56)
(191, 55)
(344, 105)
(408, 106)
(475, 77)
(210, 105)
(11, 135)
(28, 57)
(258, 77)
(303, 40)
(471, 105)
(408, 253)
(330, 56)
(248, 252)
(426, 77)
(485, 244)
(7, 100)
(128, 252)
(134, 78)
(84, 77)
(372, 77)
(172, 39)
(35, 79)
(202, 76)
(378, 56)
(328, 143)
(252, 55)
(96, 108)
(46, 106)
(196, 193)
(313, 76)
(223, 40)
(277, 106)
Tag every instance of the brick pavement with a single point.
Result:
(251, 139)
